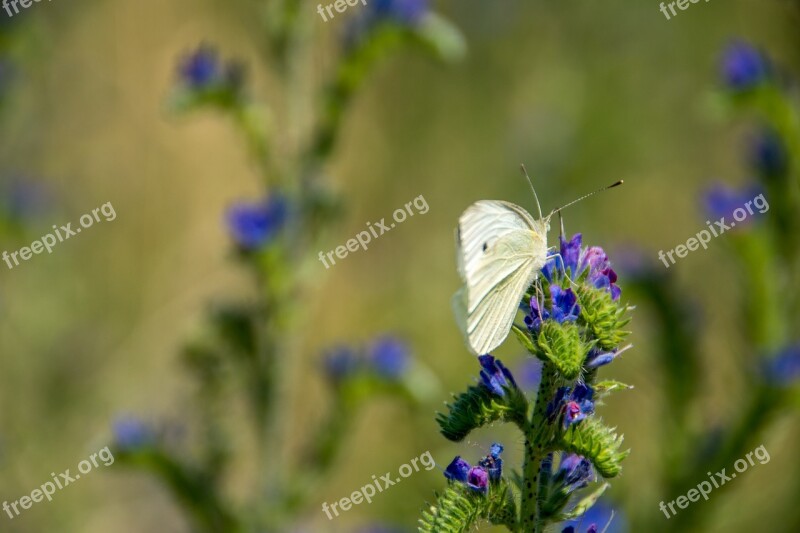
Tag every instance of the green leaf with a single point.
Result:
(561, 345)
(478, 407)
(597, 443)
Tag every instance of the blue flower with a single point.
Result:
(495, 376)
(574, 260)
(597, 358)
(743, 66)
(340, 363)
(457, 470)
(252, 225)
(492, 462)
(784, 368)
(574, 473)
(389, 357)
(767, 154)
(721, 201)
(564, 308)
(575, 406)
(131, 433)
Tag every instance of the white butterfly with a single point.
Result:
(501, 249)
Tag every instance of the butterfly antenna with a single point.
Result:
(525, 173)
(585, 196)
(561, 223)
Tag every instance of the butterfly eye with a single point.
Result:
(485, 246)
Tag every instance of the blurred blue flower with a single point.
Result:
(743, 66)
(340, 363)
(574, 259)
(253, 225)
(783, 369)
(407, 12)
(200, 69)
(131, 433)
(529, 373)
(721, 201)
(389, 357)
(564, 308)
(767, 154)
(23, 199)
(495, 376)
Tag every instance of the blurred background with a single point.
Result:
(582, 93)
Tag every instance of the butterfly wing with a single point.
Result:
(501, 248)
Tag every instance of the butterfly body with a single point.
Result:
(501, 248)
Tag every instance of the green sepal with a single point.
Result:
(459, 508)
(604, 388)
(478, 407)
(561, 345)
(597, 443)
(525, 339)
(584, 504)
(603, 317)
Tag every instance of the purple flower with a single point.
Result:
(478, 479)
(252, 225)
(563, 308)
(457, 470)
(722, 201)
(131, 433)
(784, 368)
(743, 66)
(767, 154)
(340, 363)
(389, 357)
(575, 260)
(495, 376)
(492, 462)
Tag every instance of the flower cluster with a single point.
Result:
(744, 67)
(574, 404)
(574, 260)
(489, 469)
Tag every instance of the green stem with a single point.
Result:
(536, 448)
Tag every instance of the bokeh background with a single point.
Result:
(582, 93)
